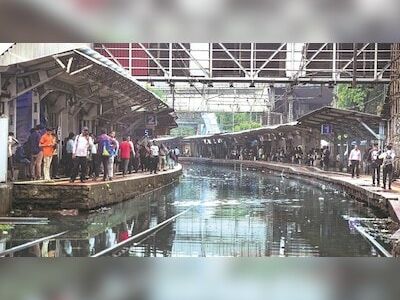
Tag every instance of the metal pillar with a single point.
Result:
(3, 147)
(290, 108)
(268, 117)
(381, 138)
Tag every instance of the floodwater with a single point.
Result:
(233, 213)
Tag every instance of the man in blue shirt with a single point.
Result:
(36, 153)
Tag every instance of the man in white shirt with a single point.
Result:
(82, 144)
(354, 161)
(155, 152)
(115, 146)
(388, 161)
(12, 143)
(376, 162)
(94, 166)
(177, 152)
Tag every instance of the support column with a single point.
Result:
(35, 109)
(335, 149)
(12, 106)
(3, 148)
(290, 108)
(381, 139)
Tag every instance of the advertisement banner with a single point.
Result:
(3, 148)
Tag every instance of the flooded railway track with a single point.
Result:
(122, 247)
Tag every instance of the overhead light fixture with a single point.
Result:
(252, 84)
(191, 84)
(231, 85)
(210, 85)
(151, 83)
(171, 84)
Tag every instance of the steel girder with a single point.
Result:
(253, 62)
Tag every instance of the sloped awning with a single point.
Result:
(90, 79)
(273, 129)
(352, 123)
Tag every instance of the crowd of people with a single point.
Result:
(375, 159)
(296, 155)
(372, 161)
(87, 156)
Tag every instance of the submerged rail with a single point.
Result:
(23, 220)
(139, 235)
(30, 244)
(374, 242)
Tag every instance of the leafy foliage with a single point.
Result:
(157, 91)
(183, 131)
(362, 98)
(351, 98)
(238, 121)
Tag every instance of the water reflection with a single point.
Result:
(235, 213)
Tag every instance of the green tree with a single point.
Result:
(351, 98)
(362, 98)
(183, 131)
(157, 91)
(238, 121)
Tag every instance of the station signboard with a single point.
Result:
(143, 132)
(327, 129)
(151, 120)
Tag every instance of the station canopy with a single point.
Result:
(343, 122)
(89, 77)
(352, 123)
(249, 133)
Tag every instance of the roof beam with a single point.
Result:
(269, 59)
(195, 60)
(43, 81)
(352, 59)
(111, 55)
(235, 60)
(155, 60)
(369, 129)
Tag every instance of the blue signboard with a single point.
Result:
(326, 128)
(144, 132)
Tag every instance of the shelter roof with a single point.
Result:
(91, 79)
(249, 132)
(343, 121)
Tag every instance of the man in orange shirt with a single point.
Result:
(47, 144)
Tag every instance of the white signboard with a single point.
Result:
(3, 148)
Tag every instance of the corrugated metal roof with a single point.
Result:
(82, 65)
(23, 52)
(264, 129)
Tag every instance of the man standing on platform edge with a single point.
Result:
(388, 161)
(373, 157)
(155, 152)
(354, 161)
(47, 144)
(83, 142)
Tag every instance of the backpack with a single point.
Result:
(105, 144)
(374, 155)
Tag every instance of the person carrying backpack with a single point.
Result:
(375, 163)
(388, 161)
(105, 151)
